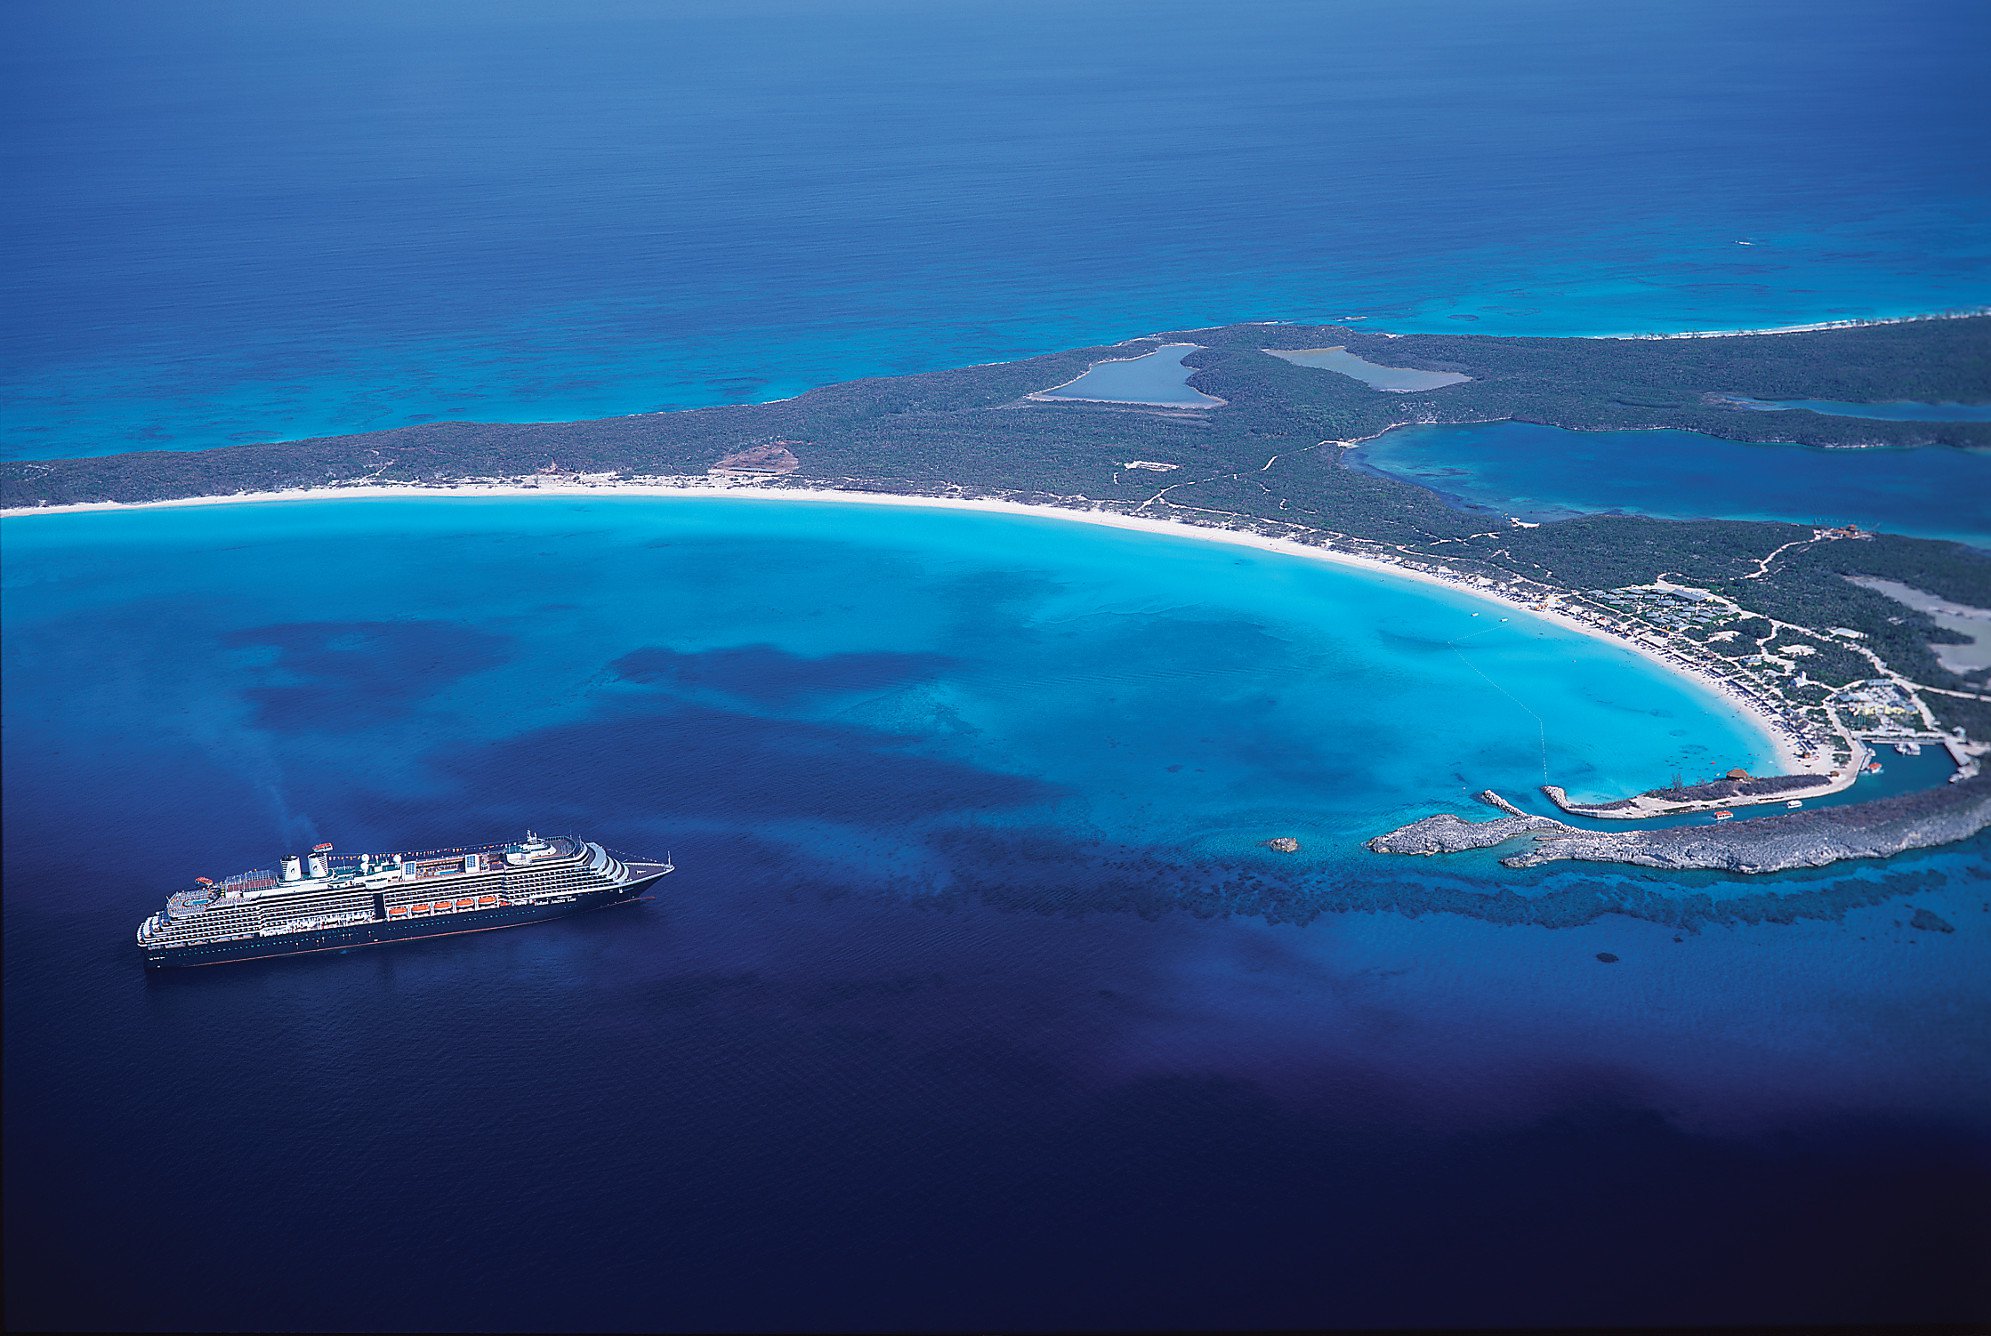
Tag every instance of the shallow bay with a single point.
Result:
(1141, 687)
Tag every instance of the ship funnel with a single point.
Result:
(291, 868)
(319, 865)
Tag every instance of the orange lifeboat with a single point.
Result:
(487, 899)
(423, 909)
(468, 902)
(392, 910)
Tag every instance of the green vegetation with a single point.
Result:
(1632, 383)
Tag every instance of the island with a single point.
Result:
(1798, 625)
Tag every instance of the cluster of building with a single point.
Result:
(1667, 607)
(1880, 706)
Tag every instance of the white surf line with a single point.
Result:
(1812, 328)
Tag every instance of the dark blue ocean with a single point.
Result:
(976, 1000)
(226, 221)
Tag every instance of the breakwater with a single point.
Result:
(1877, 829)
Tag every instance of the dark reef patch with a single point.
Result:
(768, 675)
(336, 676)
(698, 763)
(1042, 871)
(1930, 921)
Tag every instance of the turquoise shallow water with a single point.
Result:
(974, 995)
(1546, 473)
(1152, 689)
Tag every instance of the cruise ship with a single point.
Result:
(315, 902)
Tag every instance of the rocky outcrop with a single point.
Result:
(1448, 834)
(776, 458)
(1765, 844)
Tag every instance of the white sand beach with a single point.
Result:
(1812, 328)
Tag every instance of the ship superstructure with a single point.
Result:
(317, 902)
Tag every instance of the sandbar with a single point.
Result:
(1961, 659)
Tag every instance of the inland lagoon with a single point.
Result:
(1158, 378)
(975, 983)
(1535, 472)
(1395, 379)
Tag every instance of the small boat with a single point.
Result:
(396, 910)
(423, 909)
(1795, 802)
(468, 902)
(1724, 815)
(1873, 767)
(487, 899)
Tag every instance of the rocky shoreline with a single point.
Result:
(1805, 839)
